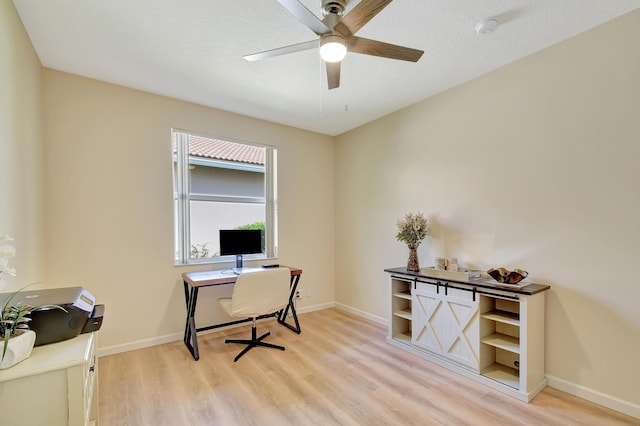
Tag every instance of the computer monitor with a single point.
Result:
(236, 242)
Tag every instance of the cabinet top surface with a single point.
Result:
(54, 356)
(473, 282)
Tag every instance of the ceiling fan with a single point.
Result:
(337, 35)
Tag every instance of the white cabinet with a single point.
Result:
(56, 385)
(490, 333)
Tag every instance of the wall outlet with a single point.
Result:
(308, 292)
(298, 294)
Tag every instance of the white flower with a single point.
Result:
(6, 251)
(10, 271)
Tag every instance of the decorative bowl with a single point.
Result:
(505, 276)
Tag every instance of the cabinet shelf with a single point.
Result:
(403, 313)
(503, 317)
(401, 306)
(403, 295)
(503, 374)
(503, 341)
(403, 337)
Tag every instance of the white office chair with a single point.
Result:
(257, 293)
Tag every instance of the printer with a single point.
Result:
(79, 313)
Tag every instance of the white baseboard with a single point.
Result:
(315, 307)
(363, 314)
(595, 396)
(139, 344)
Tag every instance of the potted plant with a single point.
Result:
(17, 339)
(412, 230)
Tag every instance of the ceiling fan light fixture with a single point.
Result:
(333, 48)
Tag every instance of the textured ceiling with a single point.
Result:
(192, 50)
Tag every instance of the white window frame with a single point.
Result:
(183, 197)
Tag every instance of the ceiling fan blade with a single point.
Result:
(305, 16)
(333, 74)
(360, 15)
(312, 44)
(378, 48)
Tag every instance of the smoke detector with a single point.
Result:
(487, 26)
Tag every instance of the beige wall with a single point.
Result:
(21, 205)
(109, 205)
(534, 166)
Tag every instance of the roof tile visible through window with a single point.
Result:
(224, 150)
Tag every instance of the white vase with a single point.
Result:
(18, 349)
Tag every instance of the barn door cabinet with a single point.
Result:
(486, 331)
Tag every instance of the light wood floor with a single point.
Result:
(339, 371)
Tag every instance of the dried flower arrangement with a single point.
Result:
(412, 230)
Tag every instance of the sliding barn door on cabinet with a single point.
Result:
(446, 322)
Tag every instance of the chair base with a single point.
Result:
(255, 341)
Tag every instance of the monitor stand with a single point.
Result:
(238, 269)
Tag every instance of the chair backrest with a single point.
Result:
(260, 292)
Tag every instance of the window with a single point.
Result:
(221, 184)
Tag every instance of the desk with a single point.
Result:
(193, 281)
